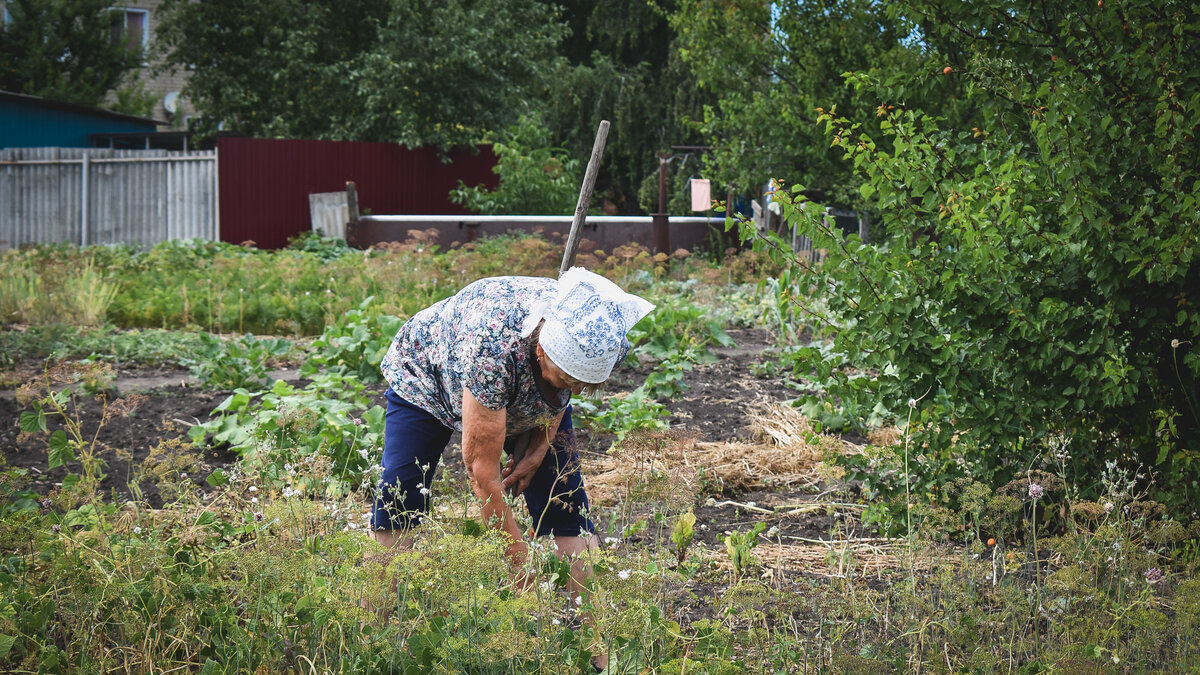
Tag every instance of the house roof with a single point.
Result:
(38, 101)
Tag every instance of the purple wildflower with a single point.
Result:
(56, 528)
(1036, 491)
(46, 503)
(258, 516)
(1153, 575)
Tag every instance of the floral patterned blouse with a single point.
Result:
(473, 340)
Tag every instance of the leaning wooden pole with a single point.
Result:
(585, 198)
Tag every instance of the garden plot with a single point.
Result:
(225, 505)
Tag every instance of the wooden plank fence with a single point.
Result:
(91, 196)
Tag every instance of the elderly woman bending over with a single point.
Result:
(499, 361)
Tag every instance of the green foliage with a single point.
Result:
(619, 64)
(328, 427)
(64, 50)
(326, 248)
(739, 546)
(768, 67)
(1038, 280)
(239, 362)
(682, 533)
(535, 178)
(678, 329)
(354, 345)
(58, 342)
(417, 73)
(620, 414)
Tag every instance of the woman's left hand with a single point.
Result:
(518, 476)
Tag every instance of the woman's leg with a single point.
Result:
(412, 447)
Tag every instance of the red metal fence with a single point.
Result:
(264, 184)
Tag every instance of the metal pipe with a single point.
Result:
(107, 160)
(83, 208)
(592, 220)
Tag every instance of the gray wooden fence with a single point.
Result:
(91, 196)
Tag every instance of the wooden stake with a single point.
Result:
(585, 198)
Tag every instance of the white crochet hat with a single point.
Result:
(586, 323)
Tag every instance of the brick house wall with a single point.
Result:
(157, 84)
(161, 84)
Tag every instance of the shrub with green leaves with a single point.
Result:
(243, 361)
(330, 422)
(1040, 271)
(355, 344)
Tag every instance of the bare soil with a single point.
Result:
(712, 407)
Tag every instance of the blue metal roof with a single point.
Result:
(33, 122)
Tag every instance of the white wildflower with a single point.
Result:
(137, 530)
(623, 574)
(253, 488)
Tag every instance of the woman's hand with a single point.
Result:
(518, 475)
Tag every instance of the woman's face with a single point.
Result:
(555, 375)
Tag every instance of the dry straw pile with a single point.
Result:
(671, 465)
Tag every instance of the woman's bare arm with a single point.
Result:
(483, 444)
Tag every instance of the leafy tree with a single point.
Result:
(768, 66)
(63, 50)
(409, 71)
(620, 65)
(1036, 305)
(535, 178)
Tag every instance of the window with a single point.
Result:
(131, 27)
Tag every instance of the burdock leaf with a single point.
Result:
(33, 421)
(60, 449)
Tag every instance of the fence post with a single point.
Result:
(352, 200)
(864, 228)
(83, 208)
